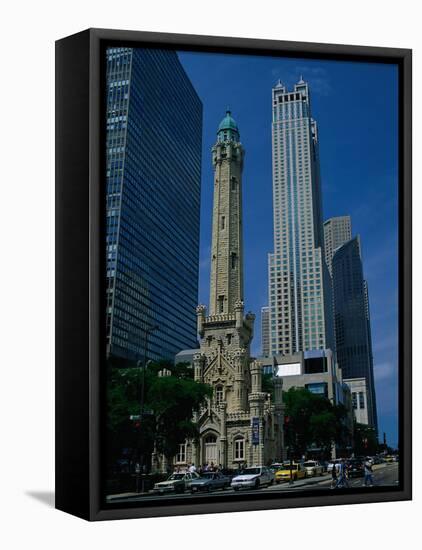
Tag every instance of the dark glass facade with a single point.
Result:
(352, 319)
(153, 156)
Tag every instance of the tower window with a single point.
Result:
(233, 260)
(233, 182)
(220, 304)
(219, 394)
(223, 222)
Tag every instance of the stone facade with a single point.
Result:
(240, 424)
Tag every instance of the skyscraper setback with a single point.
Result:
(300, 297)
(265, 331)
(337, 231)
(153, 157)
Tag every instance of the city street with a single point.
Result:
(384, 474)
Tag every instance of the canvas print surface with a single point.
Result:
(251, 276)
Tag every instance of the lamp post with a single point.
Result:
(288, 433)
(143, 365)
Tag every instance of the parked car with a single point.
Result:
(210, 481)
(254, 477)
(176, 483)
(355, 468)
(297, 472)
(276, 466)
(313, 468)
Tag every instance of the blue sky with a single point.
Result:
(355, 106)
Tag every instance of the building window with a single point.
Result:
(219, 394)
(181, 454)
(223, 222)
(361, 400)
(354, 400)
(319, 388)
(233, 181)
(220, 304)
(229, 339)
(233, 257)
(239, 449)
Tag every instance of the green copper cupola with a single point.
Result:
(228, 130)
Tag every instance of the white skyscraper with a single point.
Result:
(299, 281)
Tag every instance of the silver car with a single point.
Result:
(176, 483)
(253, 478)
(313, 468)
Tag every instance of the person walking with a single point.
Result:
(342, 478)
(368, 474)
(334, 476)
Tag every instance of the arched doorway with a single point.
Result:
(210, 449)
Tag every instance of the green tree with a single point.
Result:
(174, 400)
(312, 419)
(268, 384)
(169, 403)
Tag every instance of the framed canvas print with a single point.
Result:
(233, 274)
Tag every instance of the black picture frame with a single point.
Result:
(79, 263)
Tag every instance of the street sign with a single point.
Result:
(255, 430)
(135, 417)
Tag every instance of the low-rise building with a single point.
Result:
(317, 371)
(359, 395)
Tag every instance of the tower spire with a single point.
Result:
(226, 288)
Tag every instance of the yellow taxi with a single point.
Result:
(297, 470)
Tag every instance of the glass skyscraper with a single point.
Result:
(154, 135)
(299, 283)
(352, 320)
(337, 231)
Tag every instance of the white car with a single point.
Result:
(313, 468)
(253, 478)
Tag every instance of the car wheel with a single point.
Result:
(257, 484)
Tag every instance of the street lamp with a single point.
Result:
(143, 365)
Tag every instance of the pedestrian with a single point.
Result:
(368, 473)
(334, 476)
(342, 479)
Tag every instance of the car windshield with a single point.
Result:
(292, 467)
(310, 463)
(176, 476)
(250, 471)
